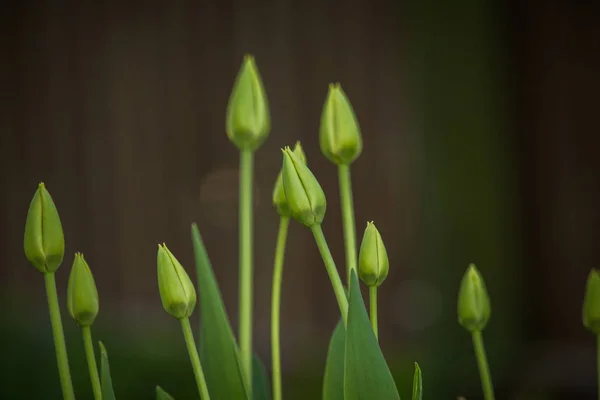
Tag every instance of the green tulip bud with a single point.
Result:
(473, 301)
(339, 135)
(373, 263)
(82, 295)
(248, 120)
(304, 195)
(176, 289)
(44, 241)
(279, 200)
(591, 303)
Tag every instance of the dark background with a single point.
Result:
(481, 145)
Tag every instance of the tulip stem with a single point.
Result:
(332, 271)
(373, 309)
(276, 306)
(91, 359)
(598, 366)
(348, 217)
(484, 368)
(59, 337)
(245, 254)
(195, 360)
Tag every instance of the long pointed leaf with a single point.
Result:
(366, 373)
(333, 381)
(105, 379)
(261, 389)
(417, 393)
(162, 395)
(218, 349)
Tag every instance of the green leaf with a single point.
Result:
(417, 393)
(366, 373)
(261, 389)
(162, 395)
(333, 381)
(218, 349)
(106, 381)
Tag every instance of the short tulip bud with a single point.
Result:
(82, 295)
(44, 241)
(473, 301)
(279, 199)
(373, 263)
(176, 289)
(304, 195)
(248, 120)
(591, 303)
(339, 135)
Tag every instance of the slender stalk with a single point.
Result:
(195, 360)
(276, 306)
(332, 271)
(484, 368)
(59, 337)
(245, 254)
(91, 359)
(347, 217)
(373, 309)
(598, 352)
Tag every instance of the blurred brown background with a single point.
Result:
(480, 145)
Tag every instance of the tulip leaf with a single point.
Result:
(218, 349)
(417, 393)
(333, 381)
(366, 373)
(260, 383)
(105, 380)
(162, 395)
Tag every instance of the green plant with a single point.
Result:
(355, 366)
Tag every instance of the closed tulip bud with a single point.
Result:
(44, 241)
(82, 295)
(176, 289)
(591, 303)
(304, 195)
(473, 301)
(339, 135)
(373, 263)
(248, 120)
(279, 199)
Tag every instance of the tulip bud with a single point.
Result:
(44, 241)
(304, 195)
(473, 301)
(279, 200)
(176, 289)
(82, 295)
(248, 120)
(591, 303)
(339, 135)
(373, 263)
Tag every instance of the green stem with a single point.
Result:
(332, 271)
(347, 216)
(276, 306)
(245, 254)
(195, 360)
(598, 352)
(373, 309)
(91, 359)
(59, 337)
(484, 368)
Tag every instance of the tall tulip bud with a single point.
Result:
(591, 303)
(248, 120)
(474, 308)
(82, 295)
(279, 199)
(304, 195)
(339, 135)
(176, 289)
(44, 242)
(373, 263)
